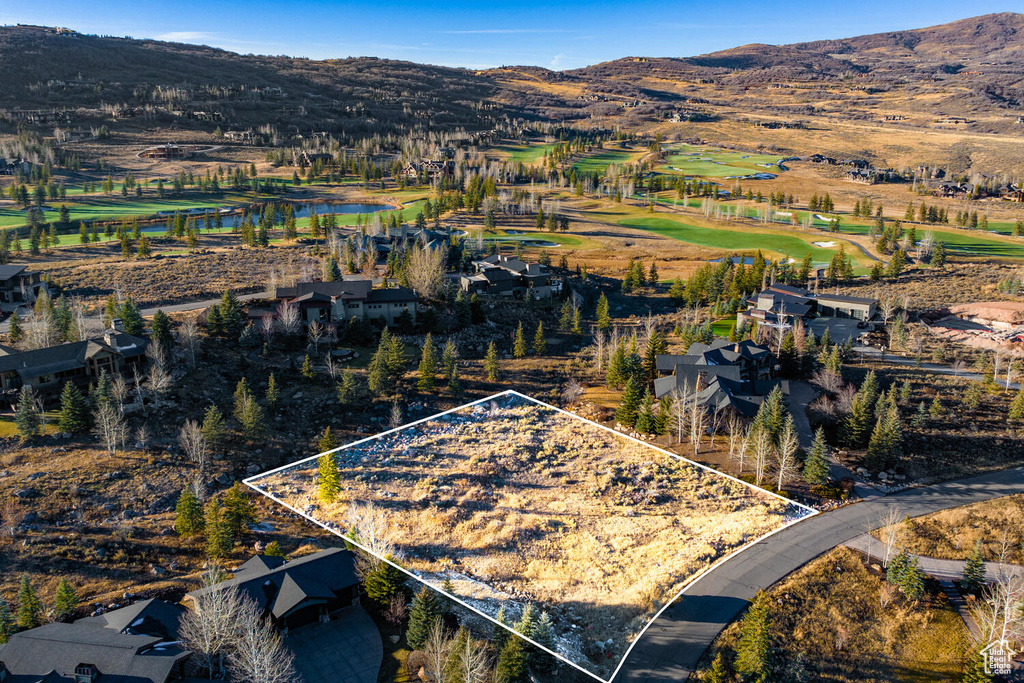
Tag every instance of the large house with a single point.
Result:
(340, 301)
(781, 305)
(47, 370)
(724, 374)
(19, 285)
(136, 644)
(500, 275)
(303, 591)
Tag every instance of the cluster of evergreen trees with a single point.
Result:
(222, 521)
(30, 611)
(637, 277)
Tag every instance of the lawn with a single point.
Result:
(514, 502)
(716, 163)
(525, 154)
(602, 160)
(736, 240)
(723, 327)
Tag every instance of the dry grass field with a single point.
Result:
(952, 533)
(829, 624)
(516, 502)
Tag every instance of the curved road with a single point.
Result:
(674, 643)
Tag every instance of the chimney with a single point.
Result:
(736, 347)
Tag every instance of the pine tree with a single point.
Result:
(65, 601)
(218, 540)
(239, 513)
(627, 412)
(273, 393)
(30, 609)
(645, 420)
(16, 333)
(307, 368)
(7, 625)
(491, 366)
(936, 409)
(213, 428)
(188, 514)
(540, 344)
(74, 410)
(718, 673)
(911, 581)
(1016, 413)
(273, 549)
(428, 365)
(754, 649)
(161, 329)
(974, 569)
(328, 474)
(511, 666)
(604, 320)
(26, 415)
(425, 611)
(519, 343)
(886, 443)
(816, 466)
(500, 635)
(383, 581)
(544, 634)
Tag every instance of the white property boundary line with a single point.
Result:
(689, 584)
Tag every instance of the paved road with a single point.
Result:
(933, 566)
(672, 646)
(930, 367)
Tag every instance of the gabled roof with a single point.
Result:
(390, 295)
(144, 618)
(119, 658)
(70, 356)
(280, 589)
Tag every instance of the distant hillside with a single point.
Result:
(965, 68)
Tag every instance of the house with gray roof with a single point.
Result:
(85, 653)
(303, 591)
(19, 286)
(503, 276)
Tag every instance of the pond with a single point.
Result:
(302, 210)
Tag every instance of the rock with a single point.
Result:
(253, 468)
(395, 639)
(30, 518)
(224, 480)
(100, 552)
(156, 571)
(173, 566)
(26, 493)
(167, 532)
(35, 475)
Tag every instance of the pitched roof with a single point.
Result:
(390, 295)
(144, 618)
(7, 272)
(847, 299)
(70, 356)
(119, 658)
(280, 589)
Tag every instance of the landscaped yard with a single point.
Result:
(514, 502)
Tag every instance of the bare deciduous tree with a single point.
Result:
(109, 426)
(188, 334)
(785, 456)
(315, 332)
(681, 398)
(395, 417)
(192, 441)
(209, 628)
(438, 651)
(697, 417)
(288, 317)
(761, 447)
(267, 327)
(571, 392)
(426, 271)
(159, 379)
(256, 652)
(891, 532)
(371, 529)
(474, 663)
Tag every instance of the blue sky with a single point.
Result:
(557, 35)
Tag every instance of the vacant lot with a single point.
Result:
(516, 502)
